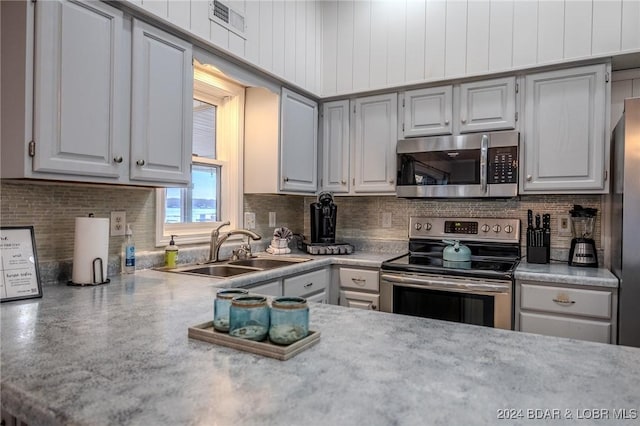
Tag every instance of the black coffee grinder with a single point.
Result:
(583, 247)
(323, 219)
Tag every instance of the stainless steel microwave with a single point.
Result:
(473, 165)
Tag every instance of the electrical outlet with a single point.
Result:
(564, 226)
(386, 220)
(118, 223)
(249, 220)
(272, 219)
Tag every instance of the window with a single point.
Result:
(215, 193)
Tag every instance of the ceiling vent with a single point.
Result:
(222, 14)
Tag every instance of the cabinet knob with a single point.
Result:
(117, 159)
(140, 162)
(343, 182)
(286, 179)
(374, 308)
(391, 181)
(464, 120)
(446, 122)
(529, 177)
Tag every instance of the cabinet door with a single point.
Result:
(272, 288)
(335, 146)
(488, 105)
(162, 106)
(318, 298)
(81, 99)
(355, 299)
(574, 328)
(298, 143)
(428, 112)
(376, 133)
(564, 140)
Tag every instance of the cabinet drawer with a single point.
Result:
(359, 279)
(306, 283)
(573, 301)
(358, 300)
(318, 298)
(267, 289)
(575, 328)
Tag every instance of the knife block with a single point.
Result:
(538, 254)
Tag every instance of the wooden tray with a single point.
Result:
(207, 333)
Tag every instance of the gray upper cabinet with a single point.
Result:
(335, 146)
(299, 143)
(375, 137)
(565, 142)
(428, 112)
(81, 90)
(487, 105)
(83, 109)
(162, 106)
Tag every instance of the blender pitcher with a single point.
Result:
(583, 247)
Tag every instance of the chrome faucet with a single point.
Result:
(217, 239)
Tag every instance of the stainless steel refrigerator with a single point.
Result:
(625, 218)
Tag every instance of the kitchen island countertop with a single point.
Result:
(119, 354)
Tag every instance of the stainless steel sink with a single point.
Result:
(263, 263)
(235, 267)
(221, 271)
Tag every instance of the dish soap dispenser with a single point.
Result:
(128, 253)
(171, 254)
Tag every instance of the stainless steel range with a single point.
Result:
(476, 289)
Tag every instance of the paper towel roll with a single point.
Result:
(91, 241)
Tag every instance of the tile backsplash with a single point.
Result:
(52, 208)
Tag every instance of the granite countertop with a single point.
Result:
(562, 273)
(119, 354)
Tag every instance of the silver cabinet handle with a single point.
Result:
(529, 177)
(117, 159)
(308, 285)
(359, 281)
(446, 122)
(564, 302)
(140, 162)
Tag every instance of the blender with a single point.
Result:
(583, 247)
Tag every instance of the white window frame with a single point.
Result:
(211, 86)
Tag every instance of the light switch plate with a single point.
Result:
(118, 223)
(249, 220)
(564, 225)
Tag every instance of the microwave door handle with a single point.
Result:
(484, 149)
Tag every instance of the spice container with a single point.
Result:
(289, 320)
(249, 317)
(221, 306)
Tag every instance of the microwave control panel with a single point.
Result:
(503, 164)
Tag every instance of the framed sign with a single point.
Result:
(20, 278)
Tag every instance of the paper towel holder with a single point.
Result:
(96, 267)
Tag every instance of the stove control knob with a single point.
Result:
(508, 229)
(496, 228)
(485, 228)
(418, 226)
(427, 226)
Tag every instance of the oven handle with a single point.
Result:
(441, 283)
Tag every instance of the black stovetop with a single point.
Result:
(488, 260)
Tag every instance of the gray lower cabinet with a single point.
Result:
(359, 288)
(270, 288)
(310, 285)
(584, 313)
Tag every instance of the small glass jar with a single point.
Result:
(289, 320)
(221, 306)
(249, 317)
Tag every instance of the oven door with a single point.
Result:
(467, 300)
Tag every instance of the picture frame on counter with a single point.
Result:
(20, 275)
